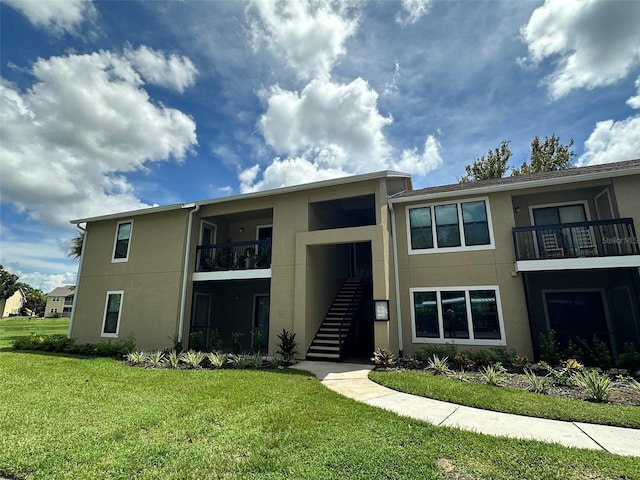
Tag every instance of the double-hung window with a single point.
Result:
(466, 315)
(112, 312)
(450, 226)
(122, 241)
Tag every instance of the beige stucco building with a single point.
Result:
(11, 306)
(60, 301)
(356, 263)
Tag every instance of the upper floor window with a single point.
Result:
(123, 238)
(56, 299)
(450, 227)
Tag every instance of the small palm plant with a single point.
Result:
(137, 358)
(173, 359)
(240, 360)
(537, 384)
(217, 359)
(493, 374)
(192, 358)
(383, 358)
(597, 386)
(440, 366)
(157, 359)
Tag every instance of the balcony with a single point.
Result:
(231, 256)
(580, 240)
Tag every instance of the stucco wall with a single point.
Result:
(151, 280)
(467, 269)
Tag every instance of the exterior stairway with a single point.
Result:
(329, 340)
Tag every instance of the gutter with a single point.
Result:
(75, 291)
(396, 279)
(185, 276)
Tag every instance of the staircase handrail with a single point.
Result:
(352, 309)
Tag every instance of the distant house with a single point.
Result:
(12, 305)
(60, 302)
(356, 263)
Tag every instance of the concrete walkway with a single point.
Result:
(351, 380)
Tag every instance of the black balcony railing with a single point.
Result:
(600, 238)
(234, 256)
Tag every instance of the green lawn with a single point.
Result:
(508, 400)
(13, 327)
(70, 417)
(64, 417)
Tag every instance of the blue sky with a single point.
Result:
(114, 106)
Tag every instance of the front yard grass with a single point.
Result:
(63, 417)
(14, 327)
(509, 400)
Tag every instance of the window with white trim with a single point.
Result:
(112, 312)
(466, 315)
(450, 226)
(122, 241)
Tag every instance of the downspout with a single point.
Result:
(75, 291)
(185, 276)
(396, 278)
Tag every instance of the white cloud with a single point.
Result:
(57, 16)
(412, 162)
(310, 35)
(282, 173)
(634, 102)
(412, 11)
(612, 142)
(48, 281)
(597, 42)
(67, 140)
(173, 71)
(340, 123)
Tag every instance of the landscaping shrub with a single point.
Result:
(597, 386)
(537, 384)
(287, 345)
(596, 354)
(629, 358)
(383, 358)
(61, 344)
(440, 366)
(549, 348)
(424, 354)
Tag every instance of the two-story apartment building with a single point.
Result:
(60, 302)
(366, 261)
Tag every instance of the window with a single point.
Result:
(112, 311)
(123, 239)
(53, 310)
(56, 299)
(450, 227)
(468, 315)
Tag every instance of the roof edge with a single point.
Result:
(242, 196)
(543, 182)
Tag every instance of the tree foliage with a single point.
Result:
(36, 300)
(547, 156)
(75, 245)
(8, 284)
(494, 165)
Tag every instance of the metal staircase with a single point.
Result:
(328, 343)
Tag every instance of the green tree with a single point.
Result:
(493, 165)
(8, 284)
(547, 156)
(36, 300)
(75, 245)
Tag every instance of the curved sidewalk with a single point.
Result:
(351, 380)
